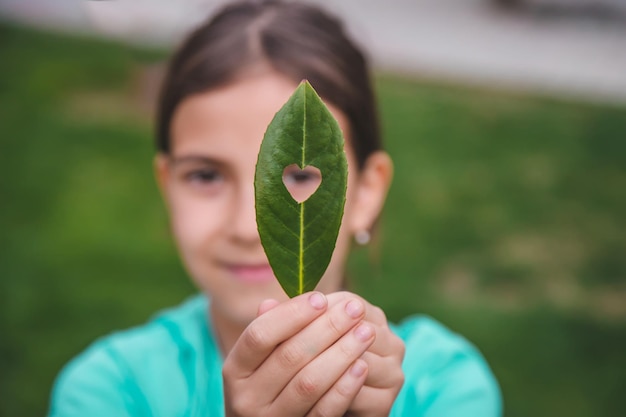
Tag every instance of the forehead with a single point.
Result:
(233, 118)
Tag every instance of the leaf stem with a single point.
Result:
(301, 255)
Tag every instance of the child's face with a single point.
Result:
(208, 184)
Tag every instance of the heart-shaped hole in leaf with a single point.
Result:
(301, 182)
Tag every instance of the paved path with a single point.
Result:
(461, 40)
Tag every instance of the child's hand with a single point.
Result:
(384, 359)
(301, 358)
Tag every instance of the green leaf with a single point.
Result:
(299, 238)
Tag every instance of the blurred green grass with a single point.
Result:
(505, 222)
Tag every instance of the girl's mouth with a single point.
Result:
(258, 274)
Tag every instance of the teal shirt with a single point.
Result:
(172, 365)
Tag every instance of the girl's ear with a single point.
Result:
(161, 172)
(373, 183)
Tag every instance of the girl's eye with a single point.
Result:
(293, 175)
(299, 177)
(301, 183)
(203, 176)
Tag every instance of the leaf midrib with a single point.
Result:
(302, 166)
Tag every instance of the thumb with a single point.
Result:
(266, 305)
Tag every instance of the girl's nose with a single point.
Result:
(243, 217)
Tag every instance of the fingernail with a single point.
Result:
(358, 369)
(354, 308)
(317, 300)
(364, 332)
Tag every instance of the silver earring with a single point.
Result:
(362, 237)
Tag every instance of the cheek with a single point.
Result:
(344, 239)
(194, 221)
(351, 196)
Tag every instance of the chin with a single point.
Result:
(240, 314)
(242, 307)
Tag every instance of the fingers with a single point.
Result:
(268, 330)
(311, 384)
(387, 343)
(339, 397)
(373, 313)
(294, 354)
(373, 402)
(384, 360)
(384, 371)
(312, 356)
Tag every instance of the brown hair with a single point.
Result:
(297, 40)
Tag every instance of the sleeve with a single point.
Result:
(95, 384)
(445, 375)
(463, 387)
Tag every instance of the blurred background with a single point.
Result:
(506, 220)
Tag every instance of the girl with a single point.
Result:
(243, 348)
